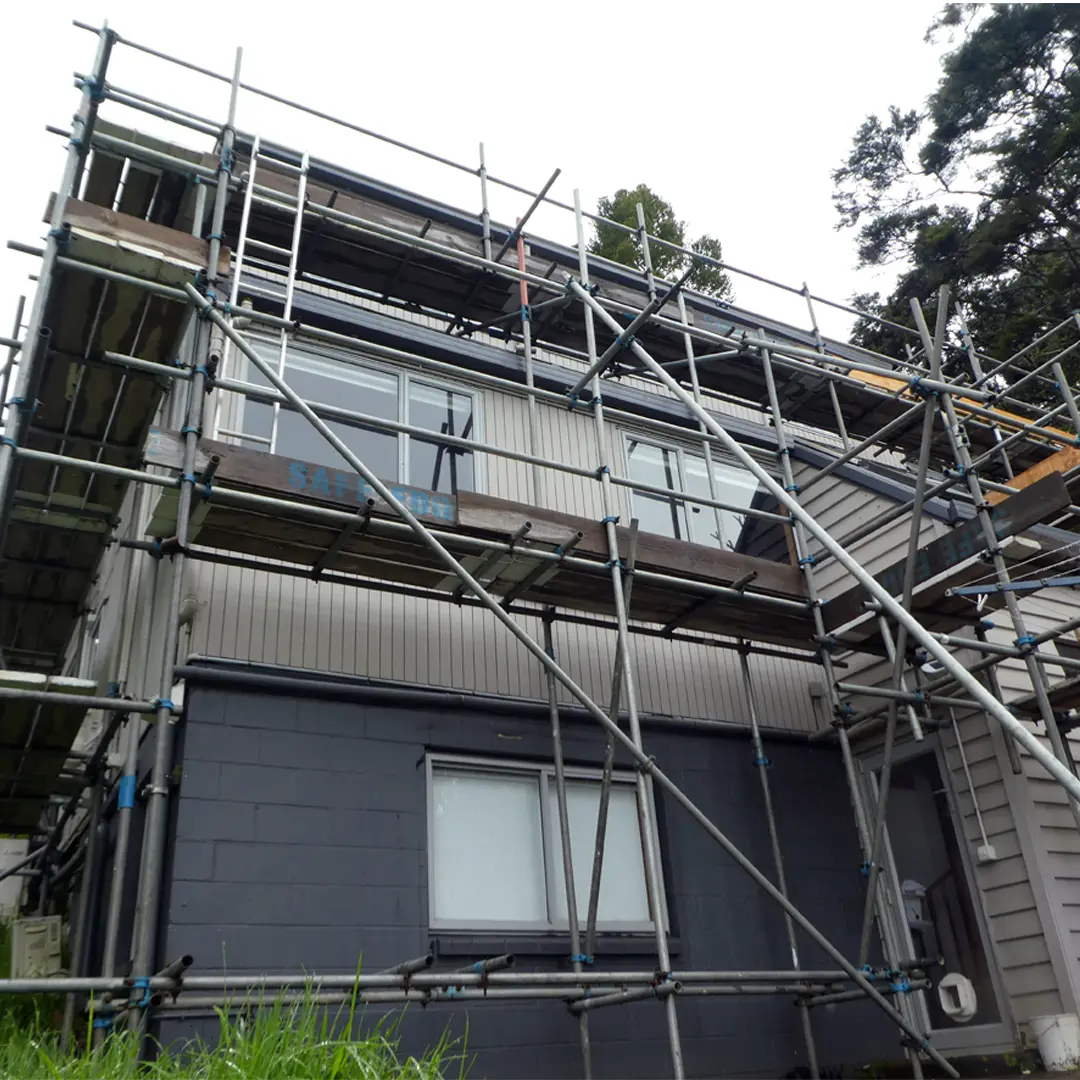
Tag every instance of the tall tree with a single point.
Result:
(980, 187)
(614, 243)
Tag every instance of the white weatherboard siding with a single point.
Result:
(274, 619)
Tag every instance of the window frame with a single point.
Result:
(544, 774)
(405, 377)
(680, 450)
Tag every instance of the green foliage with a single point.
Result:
(980, 188)
(619, 246)
(278, 1040)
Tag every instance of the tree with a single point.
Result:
(613, 243)
(978, 189)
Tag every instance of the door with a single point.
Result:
(935, 902)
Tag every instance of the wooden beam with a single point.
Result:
(1065, 460)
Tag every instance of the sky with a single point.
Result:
(735, 113)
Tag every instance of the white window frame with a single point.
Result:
(680, 450)
(549, 827)
(405, 376)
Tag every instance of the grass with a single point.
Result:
(276, 1041)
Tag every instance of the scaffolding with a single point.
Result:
(1007, 457)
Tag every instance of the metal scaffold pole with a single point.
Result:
(206, 343)
(761, 763)
(577, 958)
(628, 688)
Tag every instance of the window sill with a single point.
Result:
(476, 946)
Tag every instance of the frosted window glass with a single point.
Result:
(623, 898)
(487, 849)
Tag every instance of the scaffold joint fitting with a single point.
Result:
(141, 983)
(125, 792)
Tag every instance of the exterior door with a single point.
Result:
(934, 902)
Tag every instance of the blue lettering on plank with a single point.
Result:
(320, 483)
(442, 507)
(342, 485)
(419, 502)
(297, 475)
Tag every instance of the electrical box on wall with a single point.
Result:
(36, 947)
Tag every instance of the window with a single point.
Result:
(675, 469)
(389, 395)
(495, 851)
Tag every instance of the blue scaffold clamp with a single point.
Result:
(125, 792)
(141, 983)
(581, 958)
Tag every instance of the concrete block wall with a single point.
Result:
(300, 837)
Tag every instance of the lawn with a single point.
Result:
(278, 1041)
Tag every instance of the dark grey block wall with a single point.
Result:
(300, 839)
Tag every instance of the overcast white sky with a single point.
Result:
(736, 113)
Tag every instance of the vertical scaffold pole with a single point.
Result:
(577, 958)
(485, 215)
(762, 764)
(646, 820)
(530, 383)
(35, 338)
(834, 398)
(208, 344)
(977, 371)
(290, 288)
(129, 739)
(237, 273)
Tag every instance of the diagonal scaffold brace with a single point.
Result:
(644, 762)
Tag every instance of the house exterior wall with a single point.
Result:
(1029, 894)
(268, 618)
(300, 842)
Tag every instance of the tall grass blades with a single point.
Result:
(269, 1040)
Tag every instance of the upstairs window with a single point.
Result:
(386, 394)
(684, 472)
(495, 850)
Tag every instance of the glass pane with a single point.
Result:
(487, 849)
(331, 383)
(732, 485)
(623, 898)
(431, 465)
(936, 899)
(660, 467)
